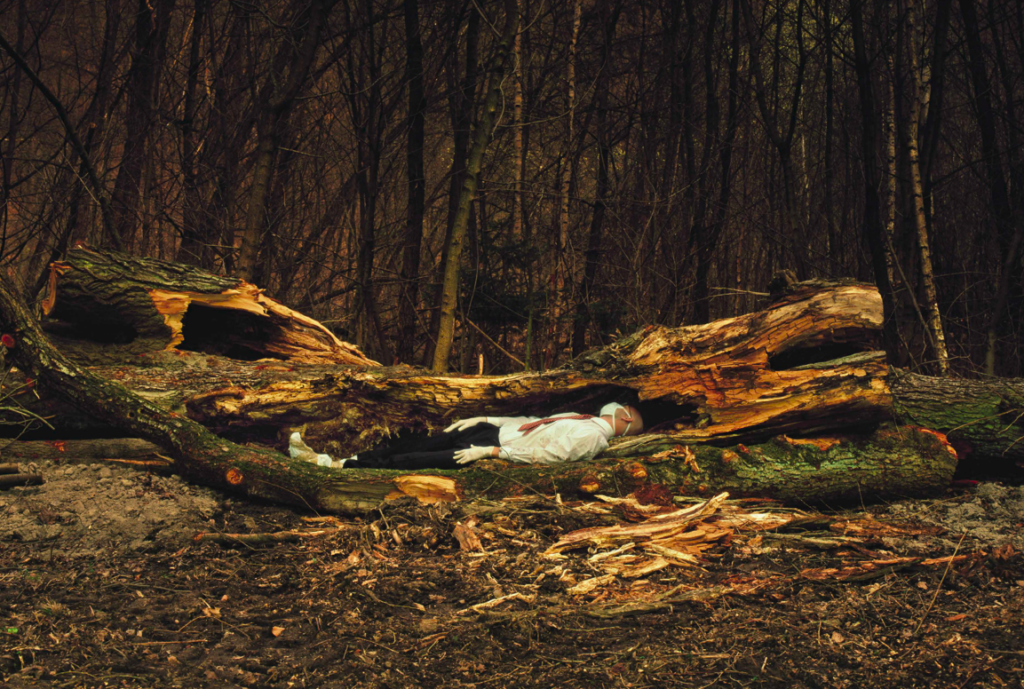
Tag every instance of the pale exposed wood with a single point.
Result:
(666, 527)
(426, 489)
(467, 538)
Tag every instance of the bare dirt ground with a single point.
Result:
(102, 584)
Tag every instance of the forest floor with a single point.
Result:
(103, 584)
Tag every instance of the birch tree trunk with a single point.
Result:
(918, 98)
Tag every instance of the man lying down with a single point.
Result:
(564, 437)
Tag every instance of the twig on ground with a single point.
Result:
(939, 587)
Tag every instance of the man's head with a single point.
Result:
(623, 419)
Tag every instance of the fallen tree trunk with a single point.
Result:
(806, 365)
(887, 463)
(146, 305)
(740, 379)
(198, 454)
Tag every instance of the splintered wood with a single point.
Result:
(167, 304)
(663, 529)
(664, 539)
(655, 538)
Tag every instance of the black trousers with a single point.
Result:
(435, 452)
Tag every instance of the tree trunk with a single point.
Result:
(609, 20)
(561, 273)
(288, 75)
(147, 305)
(151, 27)
(1009, 230)
(873, 230)
(481, 137)
(461, 106)
(806, 366)
(917, 112)
(195, 240)
(416, 184)
(198, 454)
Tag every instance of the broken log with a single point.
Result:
(199, 455)
(919, 463)
(807, 364)
(716, 395)
(145, 304)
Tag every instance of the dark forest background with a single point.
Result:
(650, 162)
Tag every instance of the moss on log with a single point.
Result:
(983, 419)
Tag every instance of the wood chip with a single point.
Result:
(589, 585)
(644, 568)
(495, 602)
(467, 538)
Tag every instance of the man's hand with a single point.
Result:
(466, 423)
(471, 454)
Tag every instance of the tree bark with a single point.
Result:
(150, 305)
(609, 20)
(808, 364)
(76, 451)
(151, 26)
(198, 454)
(873, 230)
(195, 240)
(461, 107)
(918, 110)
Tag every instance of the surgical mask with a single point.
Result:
(612, 409)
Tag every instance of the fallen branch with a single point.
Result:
(16, 480)
(251, 539)
(495, 602)
(873, 569)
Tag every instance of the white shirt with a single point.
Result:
(571, 440)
